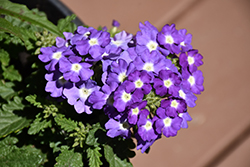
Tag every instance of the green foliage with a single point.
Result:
(6, 90)
(39, 124)
(113, 159)
(23, 13)
(32, 99)
(13, 156)
(93, 136)
(22, 33)
(69, 158)
(66, 25)
(34, 129)
(11, 73)
(66, 124)
(4, 57)
(10, 121)
(94, 155)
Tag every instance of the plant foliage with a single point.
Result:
(34, 129)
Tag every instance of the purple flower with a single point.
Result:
(79, 94)
(109, 55)
(185, 117)
(145, 127)
(167, 83)
(170, 38)
(118, 128)
(53, 55)
(188, 96)
(146, 38)
(60, 42)
(134, 111)
(56, 83)
(75, 70)
(170, 66)
(167, 125)
(173, 106)
(82, 33)
(151, 62)
(121, 40)
(143, 145)
(115, 23)
(185, 43)
(119, 71)
(192, 59)
(99, 98)
(122, 99)
(193, 82)
(93, 44)
(139, 81)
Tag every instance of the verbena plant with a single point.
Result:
(74, 96)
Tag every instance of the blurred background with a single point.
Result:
(218, 135)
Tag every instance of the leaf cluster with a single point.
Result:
(34, 129)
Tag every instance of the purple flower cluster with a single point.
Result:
(145, 83)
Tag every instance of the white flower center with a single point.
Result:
(174, 104)
(182, 94)
(135, 111)
(117, 43)
(93, 41)
(152, 45)
(122, 76)
(191, 80)
(138, 83)
(180, 115)
(190, 60)
(148, 67)
(126, 97)
(182, 43)
(67, 44)
(86, 34)
(167, 121)
(167, 83)
(105, 54)
(169, 39)
(76, 67)
(85, 92)
(148, 125)
(57, 55)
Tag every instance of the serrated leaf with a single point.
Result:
(6, 92)
(66, 24)
(91, 139)
(24, 34)
(11, 74)
(20, 23)
(16, 104)
(69, 158)
(32, 99)
(39, 125)
(66, 124)
(23, 13)
(113, 159)
(10, 122)
(94, 157)
(96, 135)
(26, 156)
(4, 57)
